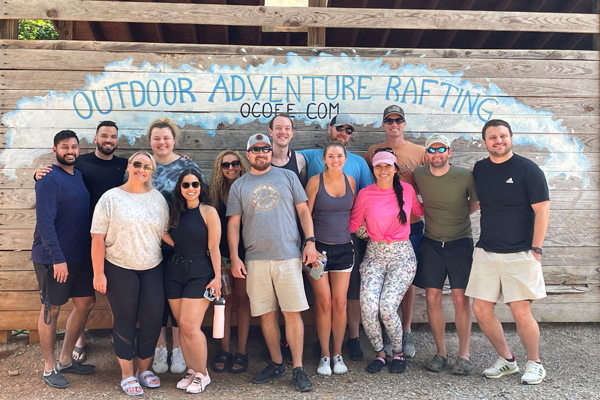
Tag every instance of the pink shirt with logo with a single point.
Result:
(380, 208)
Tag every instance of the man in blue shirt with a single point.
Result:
(61, 257)
(340, 129)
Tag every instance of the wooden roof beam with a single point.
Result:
(316, 37)
(355, 31)
(484, 35)
(512, 37)
(449, 37)
(386, 32)
(96, 30)
(369, 18)
(543, 39)
(418, 34)
(573, 41)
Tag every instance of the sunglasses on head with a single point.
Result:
(432, 150)
(386, 149)
(390, 121)
(195, 184)
(256, 150)
(341, 128)
(226, 165)
(138, 165)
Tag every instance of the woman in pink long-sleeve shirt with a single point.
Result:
(389, 266)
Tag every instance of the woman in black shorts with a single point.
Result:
(194, 267)
(330, 199)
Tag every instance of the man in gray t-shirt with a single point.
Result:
(265, 201)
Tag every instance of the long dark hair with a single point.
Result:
(399, 195)
(179, 203)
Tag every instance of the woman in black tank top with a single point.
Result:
(195, 266)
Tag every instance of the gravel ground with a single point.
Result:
(570, 353)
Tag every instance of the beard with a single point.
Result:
(499, 153)
(105, 151)
(260, 166)
(439, 163)
(61, 160)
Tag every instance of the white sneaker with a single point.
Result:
(387, 345)
(177, 361)
(199, 383)
(159, 365)
(501, 368)
(324, 368)
(187, 379)
(338, 365)
(534, 373)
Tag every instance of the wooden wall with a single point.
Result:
(554, 87)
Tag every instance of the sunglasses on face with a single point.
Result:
(341, 128)
(138, 165)
(390, 121)
(256, 150)
(386, 149)
(195, 184)
(226, 165)
(432, 150)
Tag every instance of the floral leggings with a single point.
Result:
(386, 273)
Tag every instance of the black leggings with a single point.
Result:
(135, 296)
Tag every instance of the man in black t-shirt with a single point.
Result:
(101, 171)
(515, 210)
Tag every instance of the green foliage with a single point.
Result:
(36, 29)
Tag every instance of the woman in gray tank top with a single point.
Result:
(330, 199)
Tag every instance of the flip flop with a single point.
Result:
(131, 383)
(80, 350)
(223, 357)
(145, 379)
(239, 360)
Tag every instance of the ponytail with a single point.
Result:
(399, 195)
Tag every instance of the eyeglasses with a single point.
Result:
(256, 150)
(341, 128)
(386, 149)
(138, 165)
(390, 121)
(432, 150)
(195, 184)
(226, 165)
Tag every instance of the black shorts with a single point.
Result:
(187, 277)
(80, 282)
(440, 259)
(340, 257)
(360, 246)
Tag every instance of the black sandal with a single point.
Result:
(239, 360)
(376, 365)
(223, 357)
(398, 364)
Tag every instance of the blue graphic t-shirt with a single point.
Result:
(166, 175)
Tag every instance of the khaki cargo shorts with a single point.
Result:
(517, 276)
(272, 282)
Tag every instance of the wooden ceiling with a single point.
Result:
(353, 37)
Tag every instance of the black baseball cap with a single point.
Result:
(393, 109)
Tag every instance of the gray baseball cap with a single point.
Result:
(342, 119)
(393, 109)
(437, 138)
(257, 138)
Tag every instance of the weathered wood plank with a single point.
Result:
(30, 301)
(370, 18)
(16, 260)
(97, 319)
(211, 49)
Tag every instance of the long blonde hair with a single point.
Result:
(148, 183)
(218, 181)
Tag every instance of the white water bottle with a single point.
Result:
(219, 318)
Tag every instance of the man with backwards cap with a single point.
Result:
(449, 197)
(340, 129)
(409, 156)
(265, 202)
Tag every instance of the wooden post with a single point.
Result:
(4, 336)
(316, 36)
(9, 28)
(65, 30)
(596, 37)
(34, 337)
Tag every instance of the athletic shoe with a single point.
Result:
(534, 373)
(501, 368)
(324, 368)
(353, 346)
(177, 361)
(187, 379)
(55, 379)
(338, 365)
(300, 380)
(199, 383)
(75, 367)
(159, 365)
(407, 344)
(387, 345)
(272, 371)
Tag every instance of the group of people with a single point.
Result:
(163, 241)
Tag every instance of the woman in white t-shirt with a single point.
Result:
(128, 225)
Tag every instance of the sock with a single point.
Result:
(512, 359)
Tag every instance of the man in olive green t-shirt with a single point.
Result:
(449, 197)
